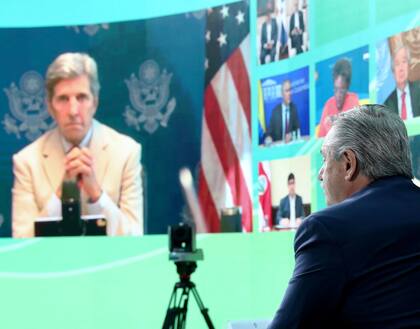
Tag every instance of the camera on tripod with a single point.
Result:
(183, 253)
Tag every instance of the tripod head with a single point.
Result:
(186, 262)
(185, 269)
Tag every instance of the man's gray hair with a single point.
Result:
(378, 138)
(396, 50)
(69, 66)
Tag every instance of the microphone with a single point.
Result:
(70, 208)
(190, 194)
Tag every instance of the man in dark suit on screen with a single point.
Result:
(290, 211)
(269, 35)
(297, 27)
(284, 121)
(358, 260)
(405, 98)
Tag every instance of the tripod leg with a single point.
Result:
(204, 311)
(184, 309)
(170, 317)
(176, 313)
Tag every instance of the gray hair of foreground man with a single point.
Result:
(378, 138)
(72, 65)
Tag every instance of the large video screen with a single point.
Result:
(190, 90)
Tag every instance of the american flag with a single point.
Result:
(225, 175)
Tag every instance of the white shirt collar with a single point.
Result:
(406, 90)
(84, 143)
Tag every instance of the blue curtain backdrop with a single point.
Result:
(385, 82)
(164, 54)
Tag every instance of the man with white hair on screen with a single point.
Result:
(105, 163)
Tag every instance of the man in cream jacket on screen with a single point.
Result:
(105, 163)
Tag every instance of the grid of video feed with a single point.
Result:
(297, 104)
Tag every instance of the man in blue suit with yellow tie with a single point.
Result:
(358, 260)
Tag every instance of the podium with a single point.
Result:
(88, 225)
(72, 223)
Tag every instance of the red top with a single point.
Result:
(330, 111)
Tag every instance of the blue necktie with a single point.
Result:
(283, 36)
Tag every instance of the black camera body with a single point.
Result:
(181, 237)
(182, 245)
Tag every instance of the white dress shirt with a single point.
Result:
(292, 203)
(268, 33)
(296, 18)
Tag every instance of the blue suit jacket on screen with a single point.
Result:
(358, 262)
(284, 208)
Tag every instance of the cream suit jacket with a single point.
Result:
(39, 169)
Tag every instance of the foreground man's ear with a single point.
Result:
(351, 165)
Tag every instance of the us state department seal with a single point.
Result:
(91, 30)
(27, 106)
(149, 95)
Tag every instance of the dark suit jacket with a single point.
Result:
(284, 208)
(274, 34)
(392, 100)
(297, 40)
(358, 262)
(275, 127)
